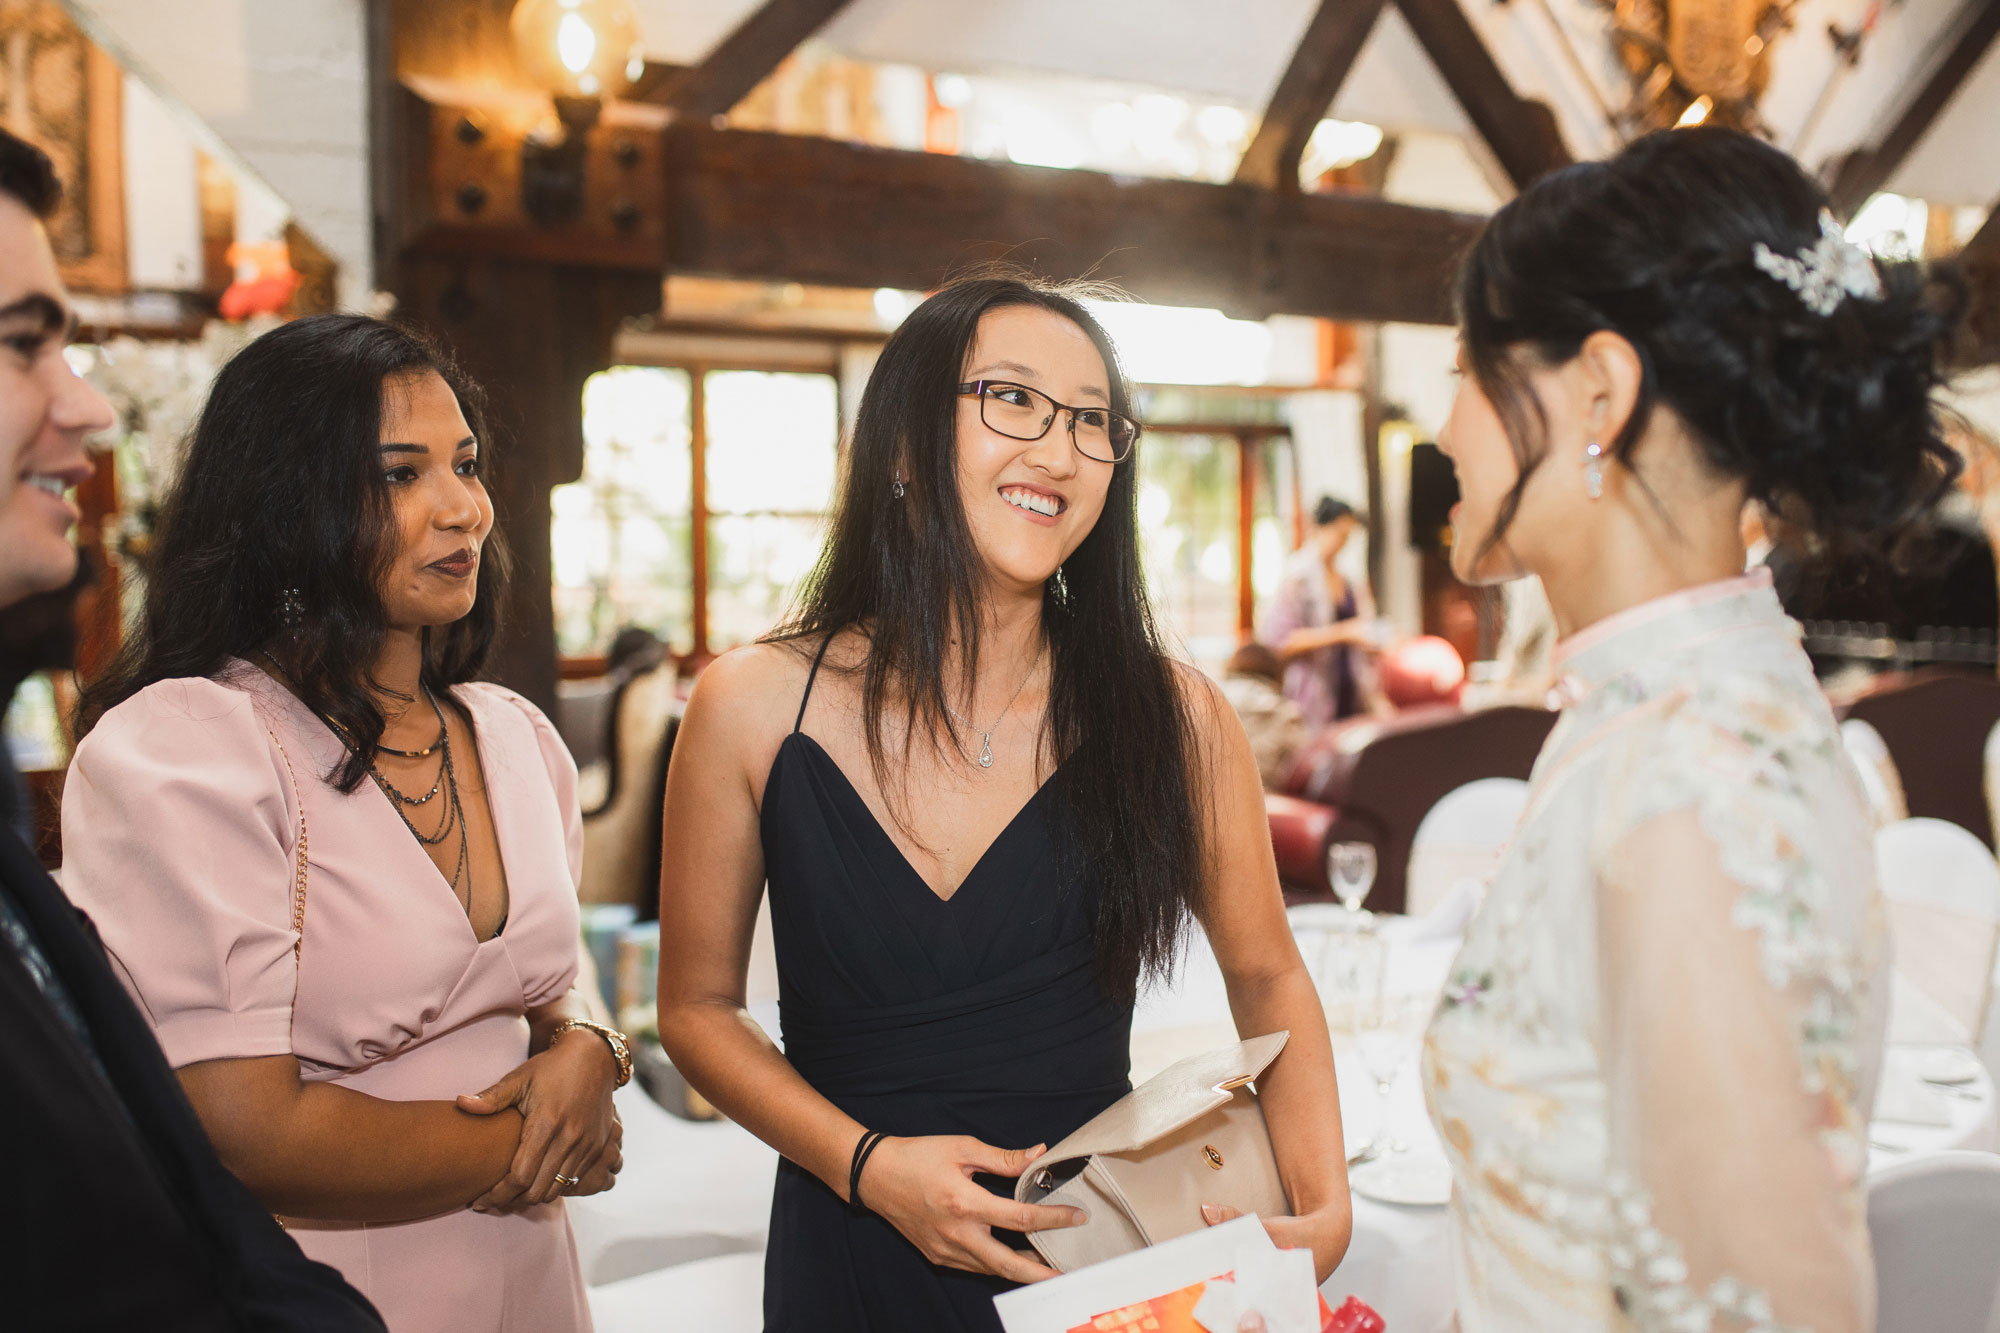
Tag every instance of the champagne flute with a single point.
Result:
(1351, 868)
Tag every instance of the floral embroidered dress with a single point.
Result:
(1653, 1062)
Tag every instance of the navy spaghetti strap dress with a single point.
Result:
(979, 1014)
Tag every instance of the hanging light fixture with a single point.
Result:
(583, 53)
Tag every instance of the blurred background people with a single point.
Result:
(1321, 624)
(1253, 682)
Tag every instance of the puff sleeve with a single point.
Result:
(178, 834)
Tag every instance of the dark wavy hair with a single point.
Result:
(907, 574)
(281, 488)
(1829, 419)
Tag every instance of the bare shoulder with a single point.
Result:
(1203, 698)
(743, 704)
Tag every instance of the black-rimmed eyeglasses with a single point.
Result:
(1021, 413)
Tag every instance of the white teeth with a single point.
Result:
(1033, 501)
(53, 485)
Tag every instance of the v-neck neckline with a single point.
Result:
(403, 834)
(902, 858)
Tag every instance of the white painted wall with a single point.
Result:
(279, 89)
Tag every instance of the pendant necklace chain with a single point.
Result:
(452, 819)
(986, 736)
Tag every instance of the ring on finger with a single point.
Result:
(567, 1182)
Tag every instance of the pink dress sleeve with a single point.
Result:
(178, 833)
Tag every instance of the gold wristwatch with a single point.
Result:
(621, 1046)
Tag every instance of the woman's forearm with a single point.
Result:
(727, 1057)
(1301, 1103)
(314, 1150)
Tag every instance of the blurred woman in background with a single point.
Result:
(1321, 623)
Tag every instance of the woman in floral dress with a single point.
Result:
(1653, 1064)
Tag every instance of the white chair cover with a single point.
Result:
(1880, 781)
(1934, 1222)
(1460, 838)
(1943, 888)
(719, 1295)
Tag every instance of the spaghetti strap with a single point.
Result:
(812, 676)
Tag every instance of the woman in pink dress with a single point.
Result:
(339, 878)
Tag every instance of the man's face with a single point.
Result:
(46, 413)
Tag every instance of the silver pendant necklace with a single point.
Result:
(986, 736)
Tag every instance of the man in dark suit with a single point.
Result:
(119, 1215)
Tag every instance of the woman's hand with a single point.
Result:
(1287, 1233)
(924, 1187)
(564, 1095)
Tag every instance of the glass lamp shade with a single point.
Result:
(578, 48)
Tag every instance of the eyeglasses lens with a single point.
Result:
(1026, 414)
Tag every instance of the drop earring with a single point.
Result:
(896, 487)
(1593, 470)
(291, 612)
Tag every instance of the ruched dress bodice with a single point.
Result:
(979, 1014)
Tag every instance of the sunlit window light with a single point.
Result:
(1267, 557)
(1338, 143)
(1155, 506)
(1036, 139)
(1111, 125)
(952, 90)
(1185, 344)
(1218, 562)
(1891, 226)
(1222, 125)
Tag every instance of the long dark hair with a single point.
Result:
(1828, 418)
(282, 489)
(907, 574)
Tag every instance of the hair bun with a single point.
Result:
(1688, 243)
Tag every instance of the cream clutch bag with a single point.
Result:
(1190, 1135)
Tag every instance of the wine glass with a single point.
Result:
(1351, 868)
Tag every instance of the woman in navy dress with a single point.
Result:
(986, 804)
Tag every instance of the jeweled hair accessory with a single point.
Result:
(1826, 274)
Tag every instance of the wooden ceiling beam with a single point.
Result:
(1319, 66)
(674, 195)
(1866, 170)
(745, 57)
(791, 208)
(1979, 262)
(1521, 133)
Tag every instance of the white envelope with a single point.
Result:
(1061, 1303)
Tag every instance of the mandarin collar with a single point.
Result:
(1641, 638)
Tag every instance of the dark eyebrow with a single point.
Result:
(470, 441)
(46, 308)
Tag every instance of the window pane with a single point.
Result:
(620, 535)
(773, 442)
(1187, 530)
(773, 448)
(754, 561)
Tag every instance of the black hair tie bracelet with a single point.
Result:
(862, 1151)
